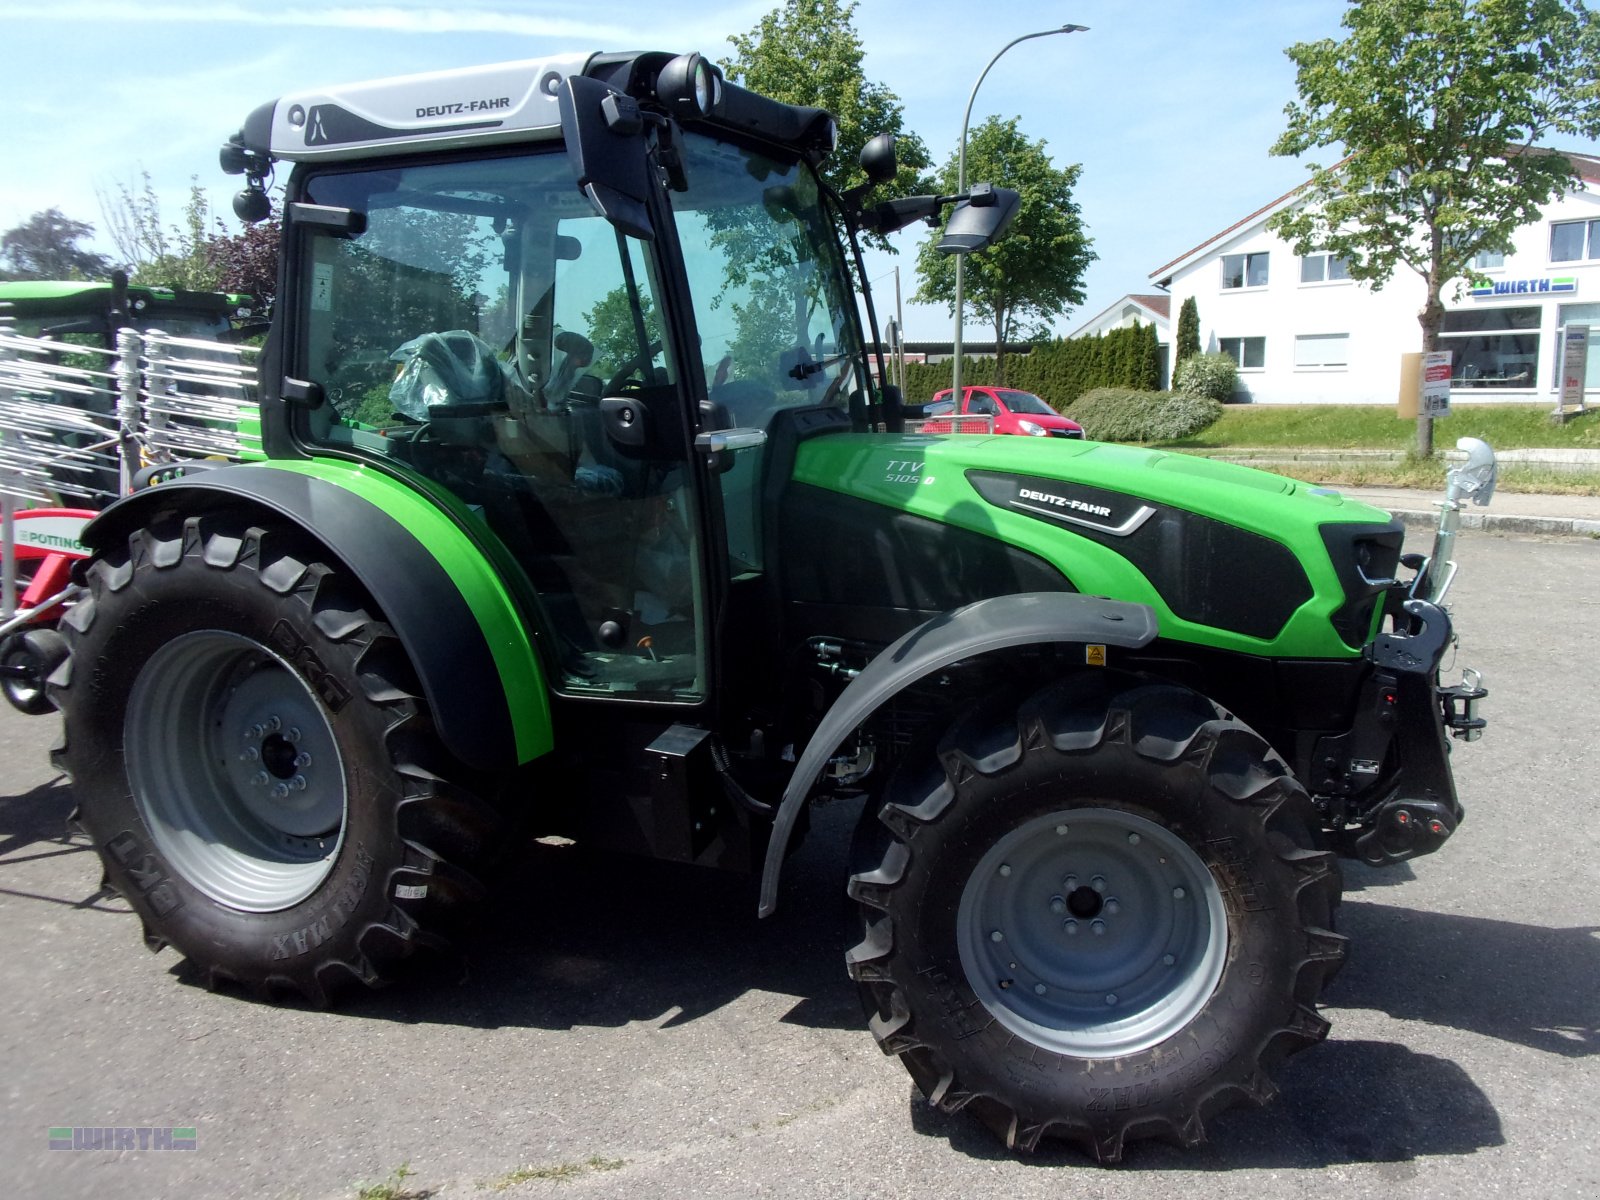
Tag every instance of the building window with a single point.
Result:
(1249, 352)
(1322, 350)
(1323, 268)
(1492, 348)
(1573, 241)
(1244, 270)
(1488, 260)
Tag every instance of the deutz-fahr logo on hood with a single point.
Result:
(1066, 503)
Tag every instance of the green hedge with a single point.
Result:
(1126, 415)
(1059, 371)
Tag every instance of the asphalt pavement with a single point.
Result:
(628, 1030)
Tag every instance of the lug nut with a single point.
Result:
(1111, 998)
(1058, 905)
(274, 724)
(293, 734)
(1005, 868)
(1039, 989)
(1099, 927)
(1133, 839)
(997, 936)
(1113, 908)
(1070, 928)
(1061, 830)
(1178, 893)
(281, 791)
(1070, 883)
(1168, 960)
(298, 783)
(302, 760)
(250, 754)
(261, 779)
(1098, 883)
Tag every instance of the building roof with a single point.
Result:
(1586, 165)
(1156, 308)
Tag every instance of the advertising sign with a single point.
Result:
(1574, 367)
(1436, 384)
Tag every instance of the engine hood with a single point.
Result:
(1228, 555)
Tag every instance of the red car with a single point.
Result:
(1012, 411)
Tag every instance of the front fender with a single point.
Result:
(1000, 622)
(468, 644)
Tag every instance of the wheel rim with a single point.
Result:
(236, 770)
(21, 690)
(1092, 932)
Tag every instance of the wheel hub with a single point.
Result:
(236, 770)
(1092, 932)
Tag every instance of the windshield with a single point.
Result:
(1024, 402)
(772, 301)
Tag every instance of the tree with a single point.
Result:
(156, 253)
(1033, 273)
(1436, 106)
(1188, 331)
(247, 261)
(808, 53)
(45, 246)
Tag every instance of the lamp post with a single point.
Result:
(961, 186)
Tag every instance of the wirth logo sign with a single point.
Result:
(1524, 287)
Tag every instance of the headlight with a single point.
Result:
(1032, 428)
(689, 86)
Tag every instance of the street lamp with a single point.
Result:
(961, 186)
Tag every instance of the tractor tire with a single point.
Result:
(26, 661)
(254, 762)
(1097, 916)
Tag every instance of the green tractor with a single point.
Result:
(583, 513)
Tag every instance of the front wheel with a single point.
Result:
(1097, 916)
(253, 761)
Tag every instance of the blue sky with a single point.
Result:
(1170, 105)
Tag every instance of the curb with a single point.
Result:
(1503, 523)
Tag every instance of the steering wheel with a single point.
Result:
(634, 366)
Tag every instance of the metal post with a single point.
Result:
(8, 523)
(961, 187)
(8, 540)
(128, 349)
(899, 337)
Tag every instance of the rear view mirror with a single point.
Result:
(979, 222)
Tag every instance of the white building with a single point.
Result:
(1303, 332)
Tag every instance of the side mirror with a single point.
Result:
(979, 222)
(604, 132)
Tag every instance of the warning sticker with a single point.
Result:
(1094, 656)
(322, 287)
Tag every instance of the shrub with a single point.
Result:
(1210, 376)
(1125, 415)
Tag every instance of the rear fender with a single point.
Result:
(998, 623)
(434, 586)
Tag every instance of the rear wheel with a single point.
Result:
(253, 760)
(1099, 915)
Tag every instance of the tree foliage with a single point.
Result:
(809, 53)
(1035, 272)
(1188, 340)
(247, 261)
(1436, 106)
(45, 246)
